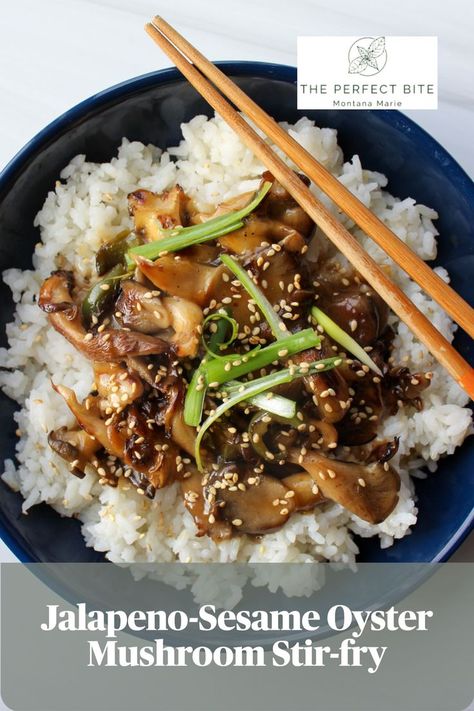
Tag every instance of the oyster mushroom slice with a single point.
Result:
(74, 446)
(329, 390)
(186, 319)
(153, 314)
(181, 433)
(56, 300)
(307, 493)
(258, 230)
(369, 491)
(262, 507)
(180, 276)
(198, 507)
(116, 386)
(140, 309)
(91, 423)
(152, 213)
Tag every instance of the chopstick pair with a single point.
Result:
(179, 50)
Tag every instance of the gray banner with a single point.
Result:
(390, 637)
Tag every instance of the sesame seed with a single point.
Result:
(237, 522)
(361, 482)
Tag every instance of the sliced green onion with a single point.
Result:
(269, 401)
(218, 339)
(181, 237)
(277, 326)
(195, 395)
(233, 366)
(255, 387)
(337, 334)
(176, 242)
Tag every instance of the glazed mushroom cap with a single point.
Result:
(369, 491)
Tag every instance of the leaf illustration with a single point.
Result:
(357, 65)
(372, 62)
(363, 52)
(377, 47)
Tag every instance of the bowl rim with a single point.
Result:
(282, 72)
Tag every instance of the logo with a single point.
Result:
(352, 72)
(367, 56)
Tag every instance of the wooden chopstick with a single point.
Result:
(440, 348)
(416, 268)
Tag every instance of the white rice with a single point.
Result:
(90, 206)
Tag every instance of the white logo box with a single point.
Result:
(367, 72)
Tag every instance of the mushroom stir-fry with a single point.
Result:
(236, 354)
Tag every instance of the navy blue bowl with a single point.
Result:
(151, 109)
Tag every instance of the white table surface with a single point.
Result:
(54, 53)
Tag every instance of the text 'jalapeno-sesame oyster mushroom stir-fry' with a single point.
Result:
(233, 352)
